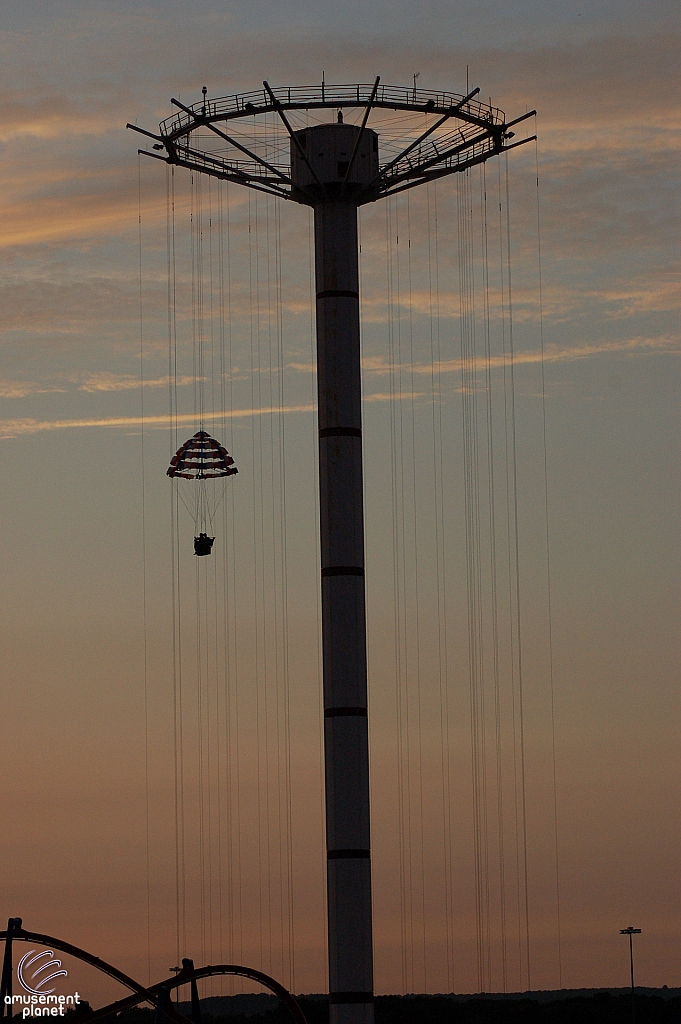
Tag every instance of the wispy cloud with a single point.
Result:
(17, 427)
(126, 382)
(25, 388)
(94, 382)
(387, 396)
(40, 220)
(552, 354)
(570, 353)
(51, 117)
(661, 296)
(302, 367)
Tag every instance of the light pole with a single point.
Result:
(631, 931)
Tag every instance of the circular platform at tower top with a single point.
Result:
(268, 140)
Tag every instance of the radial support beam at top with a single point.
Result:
(421, 138)
(433, 134)
(292, 134)
(361, 131)
(233, 142)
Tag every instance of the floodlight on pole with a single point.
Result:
(631, 931)
(264, 140)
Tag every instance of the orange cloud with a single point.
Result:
(15, 427)
(552, 354)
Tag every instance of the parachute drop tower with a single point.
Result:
(335, 166)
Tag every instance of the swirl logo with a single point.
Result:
(48, 962)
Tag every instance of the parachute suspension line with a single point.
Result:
(212, 687)
(417, 618)
(406, 829)
(232, 722)
(468, 395)
(203, 702)
(509, 554)
(275, 618)
(276, 427)
(274, 615)
(284, 556)
(207, 644)
(266, 881)
(494, 603)
(276, 818)
(395, 460)
(402, 520)
(221, 600)
(221, 674)
(197, 366)
(266, 667)
(144, 582)
(548, 575)
(224, 764)
(474, 570)
(440, 562)
(402, 639)
(285, 794)
(314, 440)
(405, 593)
(253, 273)
(516, 545)
(283, 521)
(176, 607)
(514, 587)
(226, 671)
(201, 460)
(256, 646)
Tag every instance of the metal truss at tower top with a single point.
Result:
(254, 138)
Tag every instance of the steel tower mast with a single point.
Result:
(335, 168)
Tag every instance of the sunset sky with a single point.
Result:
(87, 758)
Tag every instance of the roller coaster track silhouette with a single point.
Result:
(158, 995)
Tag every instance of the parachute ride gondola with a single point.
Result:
(199, 460)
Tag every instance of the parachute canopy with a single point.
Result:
(201, 458)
